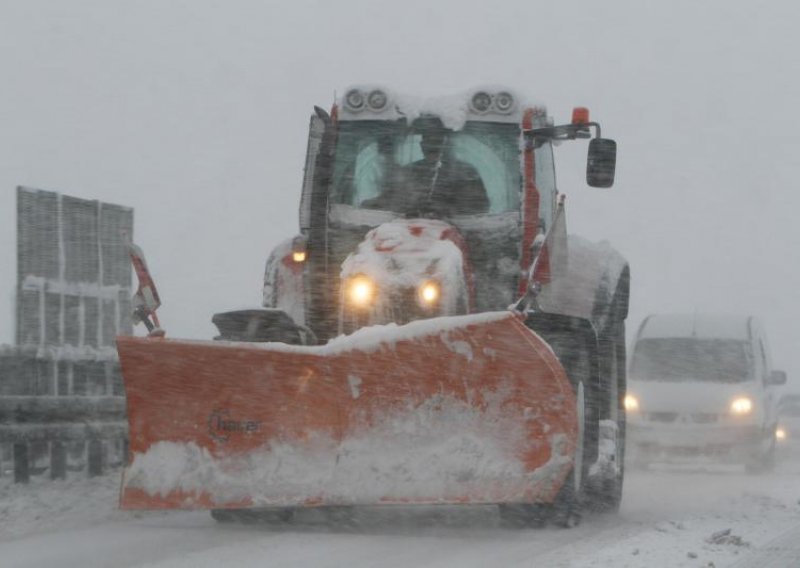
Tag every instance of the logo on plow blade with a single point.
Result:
(221, 425)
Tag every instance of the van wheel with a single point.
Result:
(763, 463)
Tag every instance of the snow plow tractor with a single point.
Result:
(431, 336)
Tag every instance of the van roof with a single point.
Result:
(708, 326)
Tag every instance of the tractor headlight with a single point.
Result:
(481, 101)
(377, 99)
(504, 101)
(429, 293)
(741, 406)
(354, 99)
(360, 291)
(631, 403)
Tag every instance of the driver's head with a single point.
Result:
(433, 143)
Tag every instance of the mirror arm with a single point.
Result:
(561, 132)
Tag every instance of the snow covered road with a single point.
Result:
(696, 517)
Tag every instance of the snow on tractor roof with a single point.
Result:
(488, 103)
(708, 326)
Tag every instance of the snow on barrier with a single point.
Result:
(56, 434)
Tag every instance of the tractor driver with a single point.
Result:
(438, 183)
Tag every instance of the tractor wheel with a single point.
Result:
(606, 489)
(568, 507)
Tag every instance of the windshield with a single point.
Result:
(687, 359)
(424, 168)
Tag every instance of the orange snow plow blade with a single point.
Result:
(468, 409)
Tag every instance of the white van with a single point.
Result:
(702, 386)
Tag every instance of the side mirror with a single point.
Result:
(777, 378)
(601, 163)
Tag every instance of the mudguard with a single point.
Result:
(466, 409)
(595, 272)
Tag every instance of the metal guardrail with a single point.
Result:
(52, 428)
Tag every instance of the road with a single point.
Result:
(690, 516)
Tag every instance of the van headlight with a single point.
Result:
(742, 406)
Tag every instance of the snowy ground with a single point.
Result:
(671, 517)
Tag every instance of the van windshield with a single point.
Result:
(687, 359)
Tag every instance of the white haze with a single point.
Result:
(195, 113)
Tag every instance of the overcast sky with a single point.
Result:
(195, 113)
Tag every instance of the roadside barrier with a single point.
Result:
(53, 435)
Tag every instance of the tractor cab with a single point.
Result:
(475, 170)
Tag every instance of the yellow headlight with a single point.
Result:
(741, 406)
(780, 433)
(428, 293)
(360, 291)
(299, 256)
(631, 403)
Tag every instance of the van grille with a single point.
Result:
(663, 416)
(704, 418)
(696, 418)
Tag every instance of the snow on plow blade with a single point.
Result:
(468, 409)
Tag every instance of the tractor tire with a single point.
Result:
(570, 503)
(605, 493)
